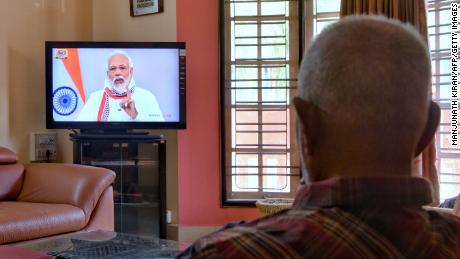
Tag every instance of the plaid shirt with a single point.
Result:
(344, 217)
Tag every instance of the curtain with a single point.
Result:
(414, 12)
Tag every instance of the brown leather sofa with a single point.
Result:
(42, 200)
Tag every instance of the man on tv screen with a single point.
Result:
(121, 99)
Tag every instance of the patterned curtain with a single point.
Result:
(414, 12)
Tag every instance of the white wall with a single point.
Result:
(26, 25)
(4, 88)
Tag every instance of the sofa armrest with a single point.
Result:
(103, 217)
(7, 156)
(11, 174)
(11, 177)
(72, 184)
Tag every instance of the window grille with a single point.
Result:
(259, 41)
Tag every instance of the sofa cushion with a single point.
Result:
(11, 177)
(23, 220)
(7, 156)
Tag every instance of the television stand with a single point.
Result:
(115, 135)
(139, 162)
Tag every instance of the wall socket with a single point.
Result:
(168, 216)
(42, 146)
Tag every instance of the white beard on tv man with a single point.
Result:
(121, 99)
(119, 84)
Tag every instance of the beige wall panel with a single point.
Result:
(112, 22)
(27, 25)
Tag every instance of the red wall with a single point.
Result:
(198, 145)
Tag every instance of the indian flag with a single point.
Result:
(68, 91)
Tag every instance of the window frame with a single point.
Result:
(223, 33)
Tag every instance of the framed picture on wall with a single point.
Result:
(144, 7)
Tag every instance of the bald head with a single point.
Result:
(369, 77)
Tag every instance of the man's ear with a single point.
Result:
(434, 115)
(306, 117)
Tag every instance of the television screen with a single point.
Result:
(115, 85)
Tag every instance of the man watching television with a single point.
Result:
(364, 113)
(121, 99)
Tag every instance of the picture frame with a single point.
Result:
(145, 7)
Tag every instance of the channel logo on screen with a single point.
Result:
(62, 53)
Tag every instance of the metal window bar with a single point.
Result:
(259, 102)
(447, 155)
(440, 25)
(255, 1)
(256, 45)
(449, 149)
(440, 1)
(260, 22)
(451, 174)
(259, 18)
(263, 131)
(258, 123)
(272, 64)
(265, 166)
(266, 174)
(440, 34)
(262, 80)
(258, 63)
(260, 37)
(259, 59)
(449, 182)
(260, 145)
(440, 74)
(267, 87)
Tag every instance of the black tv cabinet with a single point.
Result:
(139, 162)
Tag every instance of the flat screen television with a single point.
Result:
(115, 85)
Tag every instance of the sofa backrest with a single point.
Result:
(11, 175)
(77, 185)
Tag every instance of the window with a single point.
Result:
(260, 60)
(448, 156)
(318, 15)
(259, 65)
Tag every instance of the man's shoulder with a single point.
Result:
(244, 242)
(268, 237)
(445, 216)
(274, 224)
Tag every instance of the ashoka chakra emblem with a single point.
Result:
(65, 100)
